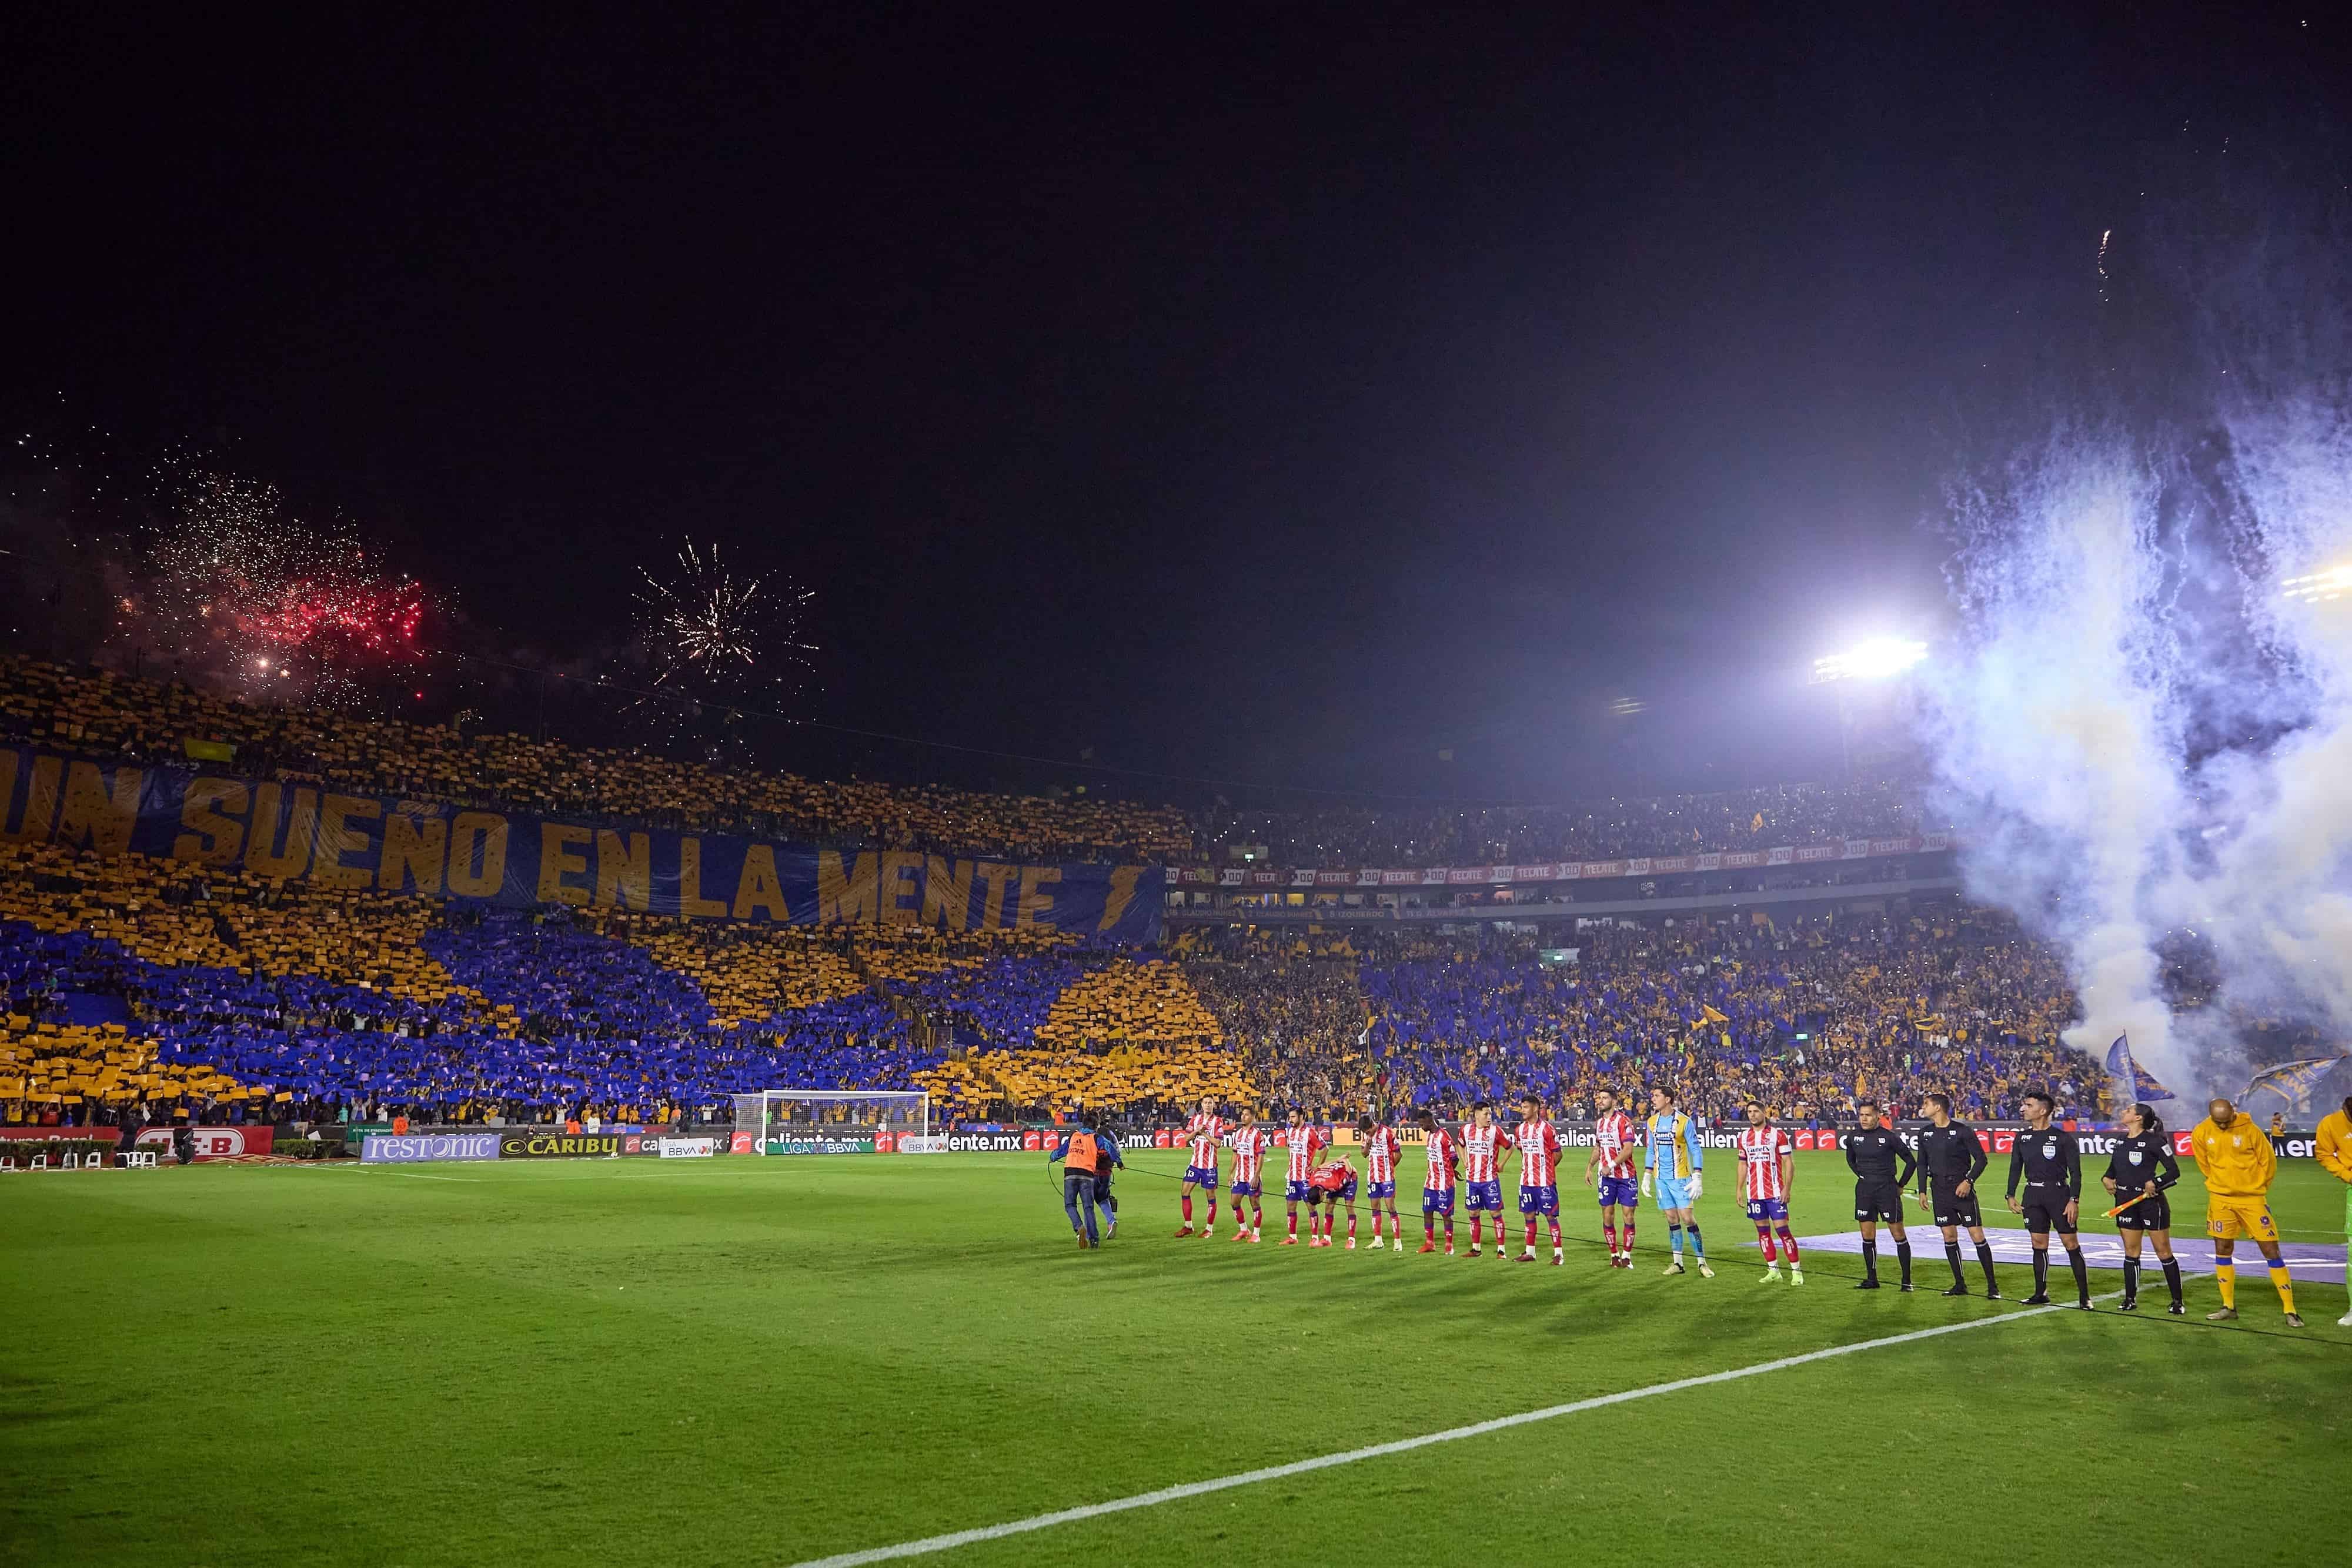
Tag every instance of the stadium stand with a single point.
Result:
(240, 994)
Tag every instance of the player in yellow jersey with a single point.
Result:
(2334, 1148)
(2237, 1161)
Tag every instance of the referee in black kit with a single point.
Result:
(1872, 1150)
(1952, 1160)
(2051, 1161)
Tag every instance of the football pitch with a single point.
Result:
(776, 1361)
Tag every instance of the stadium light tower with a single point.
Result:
(1877, 661)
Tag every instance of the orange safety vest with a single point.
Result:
(1082, 1155)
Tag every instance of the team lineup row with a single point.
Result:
(1661, 1157)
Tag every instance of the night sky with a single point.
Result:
(1281, 397)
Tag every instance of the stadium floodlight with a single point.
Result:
(2319, 587)
(1876, 660)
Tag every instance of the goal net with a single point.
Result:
(830, 1121)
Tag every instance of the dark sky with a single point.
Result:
(1279, 395)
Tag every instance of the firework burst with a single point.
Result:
(713, 637)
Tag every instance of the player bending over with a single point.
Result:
(1381, 1147)
(2051, 1161)
(1873, 1151)
(1334, 1183)
(1249, 1143)
(1304, 1140)
(1437, 1185)
(1610, 1173)
(1952, 1159)
(1483, 1142)
(2238, 1164)
(1671, 1161)
(1768, 1162)
(2138, 1172)
(1203, 1131)
(1538, 1145)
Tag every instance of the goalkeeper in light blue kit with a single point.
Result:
(1671, 1160)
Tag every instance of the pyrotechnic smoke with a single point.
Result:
(2144, 730)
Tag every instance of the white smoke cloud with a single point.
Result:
(2140, 731)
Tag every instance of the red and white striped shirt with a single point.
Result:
(1760, 1149)
(1249, 1146)
(1205, 1130)
(1538, 1154)
(1617, 1136)
(1381, 1147)
(1442, 1152)
(1482, 1152)
(1306, 1143)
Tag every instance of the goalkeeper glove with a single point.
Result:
(1697, 1189)
(1645, 1183)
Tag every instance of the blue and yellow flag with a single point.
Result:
(2128, 1081)
(2293, 1081)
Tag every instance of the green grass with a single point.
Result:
(763, 1360)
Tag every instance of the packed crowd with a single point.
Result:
(1806, 1016)
(147, 721)
(1339, 837)
(109, 715)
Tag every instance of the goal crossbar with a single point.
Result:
(788, 1120)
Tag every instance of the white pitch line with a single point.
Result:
(930, 1544)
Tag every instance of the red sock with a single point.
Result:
(1449, 1230)
(1531, 1234)
(1429, 1227)
(1629, 1238)
(1187, 1200)
(1475, 1221)
(1257, 1215)
(1294, 1224)
(1351, 1224)
(1611, 1228)
(1555, 1235)
(1789, 1240)
(1212, 1213)
(1764, 1240)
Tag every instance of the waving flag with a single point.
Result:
(2128, 1081)
(2293, 1081)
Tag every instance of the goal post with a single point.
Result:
(830, 1121)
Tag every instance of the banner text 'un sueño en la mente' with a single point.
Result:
(518, 861)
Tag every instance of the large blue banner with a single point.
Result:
(437, 852)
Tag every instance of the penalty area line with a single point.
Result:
(948, 1542)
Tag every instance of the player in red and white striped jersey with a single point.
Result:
(1381, 1148)
(1203, 1133)
(1249, 1143)
(1538, 1145)
(1305, 1139)
(1767, 1159)
(1483, 1142)
(1437, 1185)
(1609, 1172)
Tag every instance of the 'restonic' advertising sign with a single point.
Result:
(411, 1148)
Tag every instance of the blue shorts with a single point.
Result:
(1540, 1200)
(1763, 1209)
(1200, 1175)
(1384, 1189)
(1296, 1191)
(1674, 1192)
(1437, 1200)
(1620, 1192)
(1478, 1195)
(1247, 1189)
